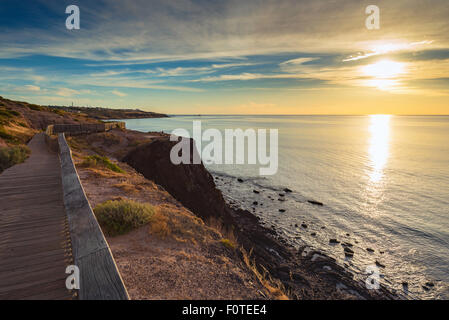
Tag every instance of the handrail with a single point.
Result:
(99, 276)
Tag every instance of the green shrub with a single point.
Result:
(99, 161)
(121, 216)
(10, 156)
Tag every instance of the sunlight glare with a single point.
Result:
(379, 144)
(383, 74)
(384, 69)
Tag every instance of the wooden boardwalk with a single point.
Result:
(35, 244)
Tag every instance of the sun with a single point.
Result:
(384, 69)
(384, 75)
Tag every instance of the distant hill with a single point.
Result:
(108, 114)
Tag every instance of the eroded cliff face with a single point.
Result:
(191, 184)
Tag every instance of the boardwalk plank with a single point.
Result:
(33, 228)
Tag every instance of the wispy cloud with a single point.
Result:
(385, 48)
(118, 93)
(66, 92)
(30, 87)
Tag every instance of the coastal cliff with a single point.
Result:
(305, 273)
(192, 185)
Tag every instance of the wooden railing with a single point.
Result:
(99, 276)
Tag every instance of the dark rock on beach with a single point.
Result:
(334, 241)
(256, 192)
(281, 210)
(287, 190)
(240, 180)
(369, 250)
(317, 203)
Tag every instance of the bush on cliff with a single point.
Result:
(121, 216)
(102, 162)
(10, 156)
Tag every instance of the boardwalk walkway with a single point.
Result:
(34, 237)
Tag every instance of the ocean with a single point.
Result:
(383, 182)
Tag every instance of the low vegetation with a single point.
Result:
(228, 243)
(118, 217)
(6, 114)
(10, 156)
(35, 107)
(101, 162)
(274, 286)
(160, 225)
(105, 113)
(6, 136)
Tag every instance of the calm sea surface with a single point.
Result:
(384, 183)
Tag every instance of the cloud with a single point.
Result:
(297, 61)
(30, 87)
(66, 92)
(134, 31)
(383, 48)
(118, 93)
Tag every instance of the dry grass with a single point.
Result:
(160, 225)
(127, 187)
(10, 156)
(274, 286)
(226, 232)
(230, 240)
(228, 243)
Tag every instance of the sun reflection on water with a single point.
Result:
(379, 145)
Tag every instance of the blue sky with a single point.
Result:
(289, 57)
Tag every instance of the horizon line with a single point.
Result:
(304, 114)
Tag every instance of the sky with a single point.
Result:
(229, 57)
